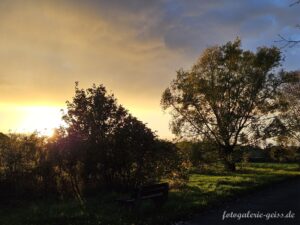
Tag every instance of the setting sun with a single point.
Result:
(42, 119)
(27, 119)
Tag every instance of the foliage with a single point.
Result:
(289, 117)
(282, 153)
(20, 156)
(199, 154)
(226, 96)
(114, 149)
(201, 192)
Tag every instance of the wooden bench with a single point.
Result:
(156, 192)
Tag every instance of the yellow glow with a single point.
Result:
(46, 46)
(42, 119)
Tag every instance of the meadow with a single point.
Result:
(204, 189)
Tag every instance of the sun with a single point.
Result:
(42, 119)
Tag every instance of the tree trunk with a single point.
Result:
(230, 166)
(227, 158)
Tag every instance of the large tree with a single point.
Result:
(225, 96)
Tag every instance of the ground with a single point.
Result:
(204, 190)
(283, 198)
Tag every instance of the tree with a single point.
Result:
(106, 145)
(225, 97)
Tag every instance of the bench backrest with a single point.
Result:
(154, 189)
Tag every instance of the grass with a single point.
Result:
(203, 190)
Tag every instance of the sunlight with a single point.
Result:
(43, 119)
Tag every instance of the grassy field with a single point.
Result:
(203, 190)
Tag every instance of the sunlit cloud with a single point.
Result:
(133, 47)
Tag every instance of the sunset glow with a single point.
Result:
(28, 119)
(133, 48)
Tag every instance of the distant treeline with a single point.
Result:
(66, 166)
(206, 153)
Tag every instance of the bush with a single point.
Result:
(282, 154)
(199, 154)
(20, 157)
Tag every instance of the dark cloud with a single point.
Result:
(193, 25)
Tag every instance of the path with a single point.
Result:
(279, 198)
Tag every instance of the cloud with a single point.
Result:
(190, 26)
(48, 46)
(133, 47)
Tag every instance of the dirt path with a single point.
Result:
(283, 198)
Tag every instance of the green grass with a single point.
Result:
(203, 190)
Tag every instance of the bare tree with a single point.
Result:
(288, 42)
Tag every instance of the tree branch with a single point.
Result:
(287, 42)
(294, 3)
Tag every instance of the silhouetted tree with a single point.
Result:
(111, 146)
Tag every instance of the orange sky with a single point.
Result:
(132, 47)
(46, 47)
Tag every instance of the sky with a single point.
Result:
(132, 47)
